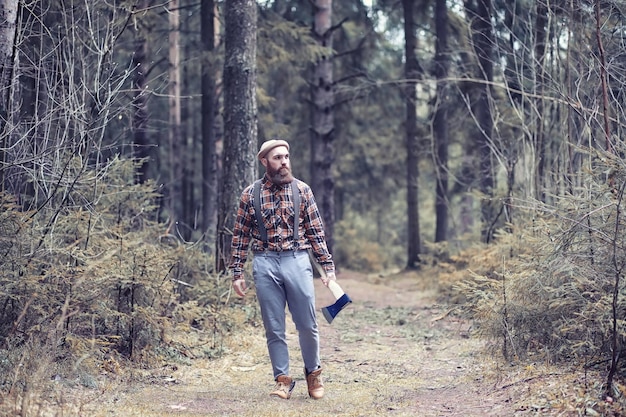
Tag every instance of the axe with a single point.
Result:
(341, 298)
(331, 311)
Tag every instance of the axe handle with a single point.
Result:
(317, 266)
(332, 284)
(335, 289)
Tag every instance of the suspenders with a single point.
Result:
(259, 216)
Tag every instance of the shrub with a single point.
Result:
(554, 285)
(96, 280)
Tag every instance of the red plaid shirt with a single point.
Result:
(278, 216)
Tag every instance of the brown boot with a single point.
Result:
(283, 388)
(315, 384)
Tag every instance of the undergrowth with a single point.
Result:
(552, 286)
(91, 280)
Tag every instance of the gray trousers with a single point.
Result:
(286, 278)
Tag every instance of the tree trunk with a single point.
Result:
(412, 71)
(240, 118)
(8, 29)
(209, 148)
(440, 122)
(186, 134)
(322, 120)
(482, 34)
(539, 139)
(603, 77)
(177, 147)
(141, 146)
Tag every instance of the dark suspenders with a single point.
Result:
(256, 197)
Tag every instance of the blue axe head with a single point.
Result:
(341, 298)
(331, 311)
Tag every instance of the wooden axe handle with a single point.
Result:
(335, 289)
(332, 284)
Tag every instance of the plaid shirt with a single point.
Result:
(278, 215)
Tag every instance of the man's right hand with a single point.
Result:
(327, 277)
(240, 287)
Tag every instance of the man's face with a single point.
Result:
(278, 166)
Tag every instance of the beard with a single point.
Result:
(280, 176)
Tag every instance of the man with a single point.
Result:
(281, 268)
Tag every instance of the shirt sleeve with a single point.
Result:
(242, 232)
(314, 232)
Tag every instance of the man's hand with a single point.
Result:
(327, 277)
(240, 287)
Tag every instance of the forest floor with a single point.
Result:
(397, 350)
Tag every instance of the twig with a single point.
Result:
(525, 380)
(442, 316)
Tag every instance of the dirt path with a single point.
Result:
(394, 352)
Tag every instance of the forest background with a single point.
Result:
(483, 138)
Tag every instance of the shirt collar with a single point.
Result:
(267, 183)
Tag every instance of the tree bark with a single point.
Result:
(322, 120)
(539, 140)
(240, 118)
(141, 146)
(176, 143)
(8, 28)
(440, 122)
(603, 78)
(209, 100)
(479, 12)
(412, 71)
(187, 134)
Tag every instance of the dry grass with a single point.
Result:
(395, 351)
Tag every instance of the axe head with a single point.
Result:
(331, 311)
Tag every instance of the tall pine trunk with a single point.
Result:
(412, 71)
(141, 147)
(479, 13)
(240, 118)
(440, 122)
(176, 148)
(209, 100)
(8, 28)
(322, 120)
(539, 141)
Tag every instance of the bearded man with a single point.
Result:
(280, 234)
